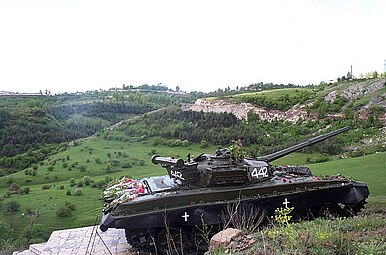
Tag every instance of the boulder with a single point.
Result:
(223, 238)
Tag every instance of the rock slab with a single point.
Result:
(223, 238)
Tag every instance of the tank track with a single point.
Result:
(193, 242)
(168, 241)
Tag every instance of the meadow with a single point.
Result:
(98, 158)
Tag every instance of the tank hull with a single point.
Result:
(196, 207)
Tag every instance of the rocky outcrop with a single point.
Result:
(240, 110)
(362, 88)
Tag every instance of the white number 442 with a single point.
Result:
(260, 173)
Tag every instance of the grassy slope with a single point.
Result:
(370, 169)
(89, 205)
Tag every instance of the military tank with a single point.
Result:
(197, 193)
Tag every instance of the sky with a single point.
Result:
(79, 45)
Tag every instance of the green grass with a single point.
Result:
(370, 169)
(275, 93)
(88, 205)
(296, 158)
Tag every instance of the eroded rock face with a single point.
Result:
(357, 90)
(240, 110)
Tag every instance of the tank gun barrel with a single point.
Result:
(271, 157)
(167, 161)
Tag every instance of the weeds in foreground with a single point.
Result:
(358, 235)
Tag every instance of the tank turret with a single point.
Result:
(220, 169)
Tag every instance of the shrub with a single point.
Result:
(14, 188)
(203, 144)
(71, 206)
(65, 165)
(357, 153)
(87, 180)
(68, 192)
(61, 187)
(50, 168)
(141, 162)
(82, 168)
(46, 186)
(80, 184)
(72, 182)
(77, 192)
(12, 206)
(63, 211)
(26, 190)
(126, 165)
(100, 184)
(36, 232)
(5, 230)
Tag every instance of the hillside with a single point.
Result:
(32, 127)
(57, 184)
(291, 104)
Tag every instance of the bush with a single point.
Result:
(26, 190)
(35, 232)
(141, 162)
(5, 230)
(100, 184)
(72, 182)
(82, 168)
(77, 192)
(12, 206)
(70, 206)
(63, 211)
(80, 184)
(126, 165)
(68, 192)
(46, 186)
(203, 144)
(357, 153)
(87, 180)
(14, 188)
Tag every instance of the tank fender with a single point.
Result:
(107, 222)
(360, 191)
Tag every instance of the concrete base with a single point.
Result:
(82, 241)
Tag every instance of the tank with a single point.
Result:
(203, 194)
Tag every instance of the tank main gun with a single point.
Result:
(273, 156)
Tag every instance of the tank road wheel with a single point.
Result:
(358, 207)
(171, 241)
(340, 210)
(329, 211)
(138, 239)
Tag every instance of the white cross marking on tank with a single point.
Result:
(186, 215)
(286, 203)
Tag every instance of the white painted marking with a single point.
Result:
(285, 203)
(186, 215)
